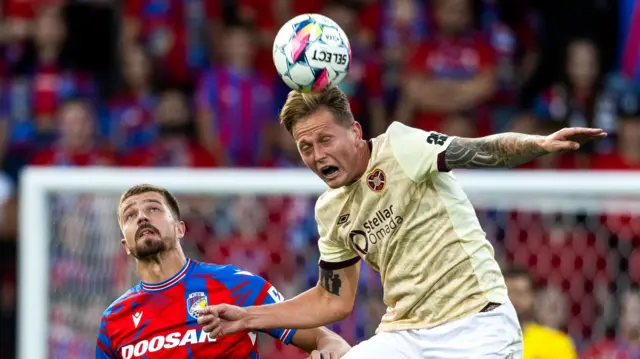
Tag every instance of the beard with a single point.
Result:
(148, 248)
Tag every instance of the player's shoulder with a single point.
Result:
(329, 205)
(119, 303)
(399, 130)
(227, 274)
(200, 268)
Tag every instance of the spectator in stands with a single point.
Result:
(127, 120)
(627, 99)
(626, 344)
(175, 33)
(451, 73)
(19, 16)
(551, 307)
(540, 342)
(236, 111)
(564, 251)
(511, 30)
(76, 143)
(579, 99)
(176, 145)
(363, 84)
(394, 29)
(248, 243)
(286, 154)
(41, 82)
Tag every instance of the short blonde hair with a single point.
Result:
(300, 105)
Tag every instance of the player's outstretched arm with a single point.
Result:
(328, 302)
(514, 149)
(321, 340)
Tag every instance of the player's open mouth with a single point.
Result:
(146, 232)
(329, 171)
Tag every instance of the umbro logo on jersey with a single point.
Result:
(343, 220)
(136, 318)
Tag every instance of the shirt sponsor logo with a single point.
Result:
(165, 342)
(385, 222)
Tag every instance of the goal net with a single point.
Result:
(573, 231)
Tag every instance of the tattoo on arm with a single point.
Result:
(502, 150)
(330, 281)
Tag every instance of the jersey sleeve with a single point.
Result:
(257, 291)
(419, 153)
(334, 254)
(104, 350)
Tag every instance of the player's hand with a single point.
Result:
(223, 319)
(322, 354)
(570, 139)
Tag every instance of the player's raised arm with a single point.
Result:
(421, 153)
(513, 149)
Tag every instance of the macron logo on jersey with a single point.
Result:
(161, 342)
(136, 318)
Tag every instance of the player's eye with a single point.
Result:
(128, 216)
(154, 209)
(325, 140)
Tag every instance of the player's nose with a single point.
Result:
(142, 218)
(319, 155)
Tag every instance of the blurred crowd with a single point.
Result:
(190, 83)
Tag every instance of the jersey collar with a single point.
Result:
(156, 287)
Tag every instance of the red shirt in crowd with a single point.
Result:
(161, 154)
(59, 156)
(26, 9)
(449, 58)
(165, 32)
(610, 349)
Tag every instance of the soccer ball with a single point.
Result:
(311, 53)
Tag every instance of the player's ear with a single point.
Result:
(356, 129)
(123, 242)
(181, 229)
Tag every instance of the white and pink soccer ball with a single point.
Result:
(311, 53)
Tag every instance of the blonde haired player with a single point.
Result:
(393, 202)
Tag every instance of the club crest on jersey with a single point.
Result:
(196, 301)
(376, 180)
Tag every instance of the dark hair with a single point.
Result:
(172, 202)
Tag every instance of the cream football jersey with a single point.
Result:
(409, 220)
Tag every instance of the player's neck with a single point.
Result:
(163, 267)
(364, 153)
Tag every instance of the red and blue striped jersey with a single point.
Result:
(158, 321)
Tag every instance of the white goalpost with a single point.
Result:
(571, 192)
